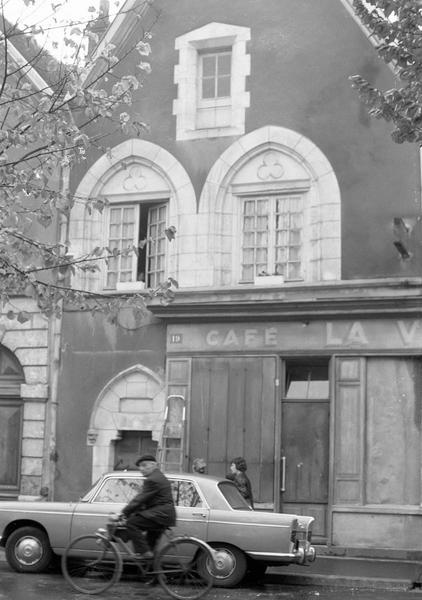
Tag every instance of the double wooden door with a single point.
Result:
(232, 413)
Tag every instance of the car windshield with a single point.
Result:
(233, 496)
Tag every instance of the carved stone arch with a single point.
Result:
(306, 167)
(133, 400)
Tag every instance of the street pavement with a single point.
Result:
(52, 586)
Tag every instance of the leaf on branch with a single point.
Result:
(10, 315)
(143, 48)
(170, 233)
(145, 66)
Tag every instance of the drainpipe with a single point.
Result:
(54, 361)
(50, 451)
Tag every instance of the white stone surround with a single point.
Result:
(29, 342)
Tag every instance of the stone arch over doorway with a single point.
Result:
(133, 400)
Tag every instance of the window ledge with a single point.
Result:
(265, 280)
(130, 286)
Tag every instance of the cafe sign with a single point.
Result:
(375, 334)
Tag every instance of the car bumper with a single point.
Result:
(302, 555)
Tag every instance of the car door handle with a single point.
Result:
(200, 515)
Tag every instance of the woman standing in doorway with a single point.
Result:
(238, 475)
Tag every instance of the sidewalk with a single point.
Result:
(351, 572)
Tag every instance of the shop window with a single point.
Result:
(378, 431)
(140, 226)
(307, 379)
(393, 431)
(272, 237)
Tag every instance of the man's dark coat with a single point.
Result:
(155, 501)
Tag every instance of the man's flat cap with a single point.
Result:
(144, 458)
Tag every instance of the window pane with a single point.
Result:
(249, 207)
(293, 271)
(223, 86)
(224, 63)
(156, 246)
(307, 379)
(288, 238)
(119, 490)
(123, 228)
(261, 256)
(262, 223)
(111, 280)
(248, 273)
(294, 254)
(209, 65)
(262, 239)
(208, 88)
(185, 494)
(10, 436)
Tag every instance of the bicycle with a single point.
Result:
(180, 566)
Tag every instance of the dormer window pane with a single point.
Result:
(216, 75)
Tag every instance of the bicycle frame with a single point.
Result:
(182, 565)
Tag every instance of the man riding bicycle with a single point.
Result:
(150, 511)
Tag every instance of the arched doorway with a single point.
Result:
(127, 418)
(11, 420)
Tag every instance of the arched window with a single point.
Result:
(273, 204)
(146, 190)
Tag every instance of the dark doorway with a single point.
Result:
(305, 440)
(131, 446)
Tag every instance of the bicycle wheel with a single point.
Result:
(177, 568)
(98, 570)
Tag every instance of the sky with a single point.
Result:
(56, 23)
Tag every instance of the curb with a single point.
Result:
(373, 583)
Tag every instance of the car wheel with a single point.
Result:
(229, 567)
(28, 550)
(256, 569)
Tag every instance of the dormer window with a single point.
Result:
(211, 78)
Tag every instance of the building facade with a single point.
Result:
(295, 335)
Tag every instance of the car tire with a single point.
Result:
(257, 569)
(230, 565)
(28, 550)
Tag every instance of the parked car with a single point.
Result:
(210, 508)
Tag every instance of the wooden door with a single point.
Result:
(304, 461)
(232, 413)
